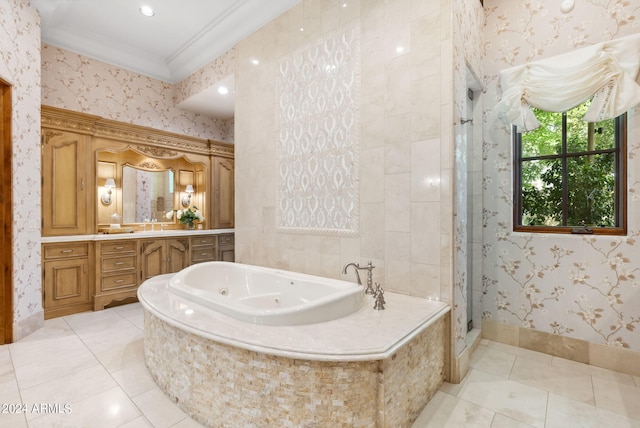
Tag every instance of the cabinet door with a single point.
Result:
(153, 258)
(64, 183)
(66, 282)
(223, 193)
(178, 255)
(227, 255)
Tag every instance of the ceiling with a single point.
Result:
(180, 38)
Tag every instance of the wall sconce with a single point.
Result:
(106, 196)
(186, 200)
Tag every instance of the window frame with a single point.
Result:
(620, 153)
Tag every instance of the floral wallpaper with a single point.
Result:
(79, 83)
(210, 74)
(585, 287)
(205, 77)
(20, 67)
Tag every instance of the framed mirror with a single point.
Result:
(140, 187)
(146, 195)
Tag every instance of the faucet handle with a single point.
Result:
(379, 296)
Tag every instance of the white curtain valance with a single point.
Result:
(608, 72)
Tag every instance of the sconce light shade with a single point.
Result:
(106, 196)
(186, 200)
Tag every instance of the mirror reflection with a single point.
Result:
(147, 195)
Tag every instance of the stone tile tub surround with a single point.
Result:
(370, 369)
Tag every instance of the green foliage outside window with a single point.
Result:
(567, 171)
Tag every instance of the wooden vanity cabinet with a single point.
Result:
(223, 192)
(226, 247)
(203, 248)
(66, 182)
(161, 256)
(66, 274)
(117, 273)
(80, 153)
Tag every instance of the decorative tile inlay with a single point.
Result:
(317, 136)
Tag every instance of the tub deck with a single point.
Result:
(366, 335)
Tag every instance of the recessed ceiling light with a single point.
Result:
(223, 90)
(146, 10)
(400, 49)
(255, 61)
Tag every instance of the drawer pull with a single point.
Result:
(118, 263)
(118, 248)
(118, 281)
(203, 254)
(203, 241)
(66, 251)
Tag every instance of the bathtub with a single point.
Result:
(373, 368)
(267, 296)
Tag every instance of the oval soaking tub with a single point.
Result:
(267, 296)
(369, 368)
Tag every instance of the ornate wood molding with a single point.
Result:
(149, 140)
(57, 118)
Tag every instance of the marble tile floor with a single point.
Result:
(510, 387)
(88, 371)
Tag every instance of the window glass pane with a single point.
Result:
(605, 134)
(545, 140)
(583, 136)
(542, 193)
(591, 184)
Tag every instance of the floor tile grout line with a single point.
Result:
(15, 379)
(141, 413)
(131, 398)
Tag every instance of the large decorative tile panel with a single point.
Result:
(317, 136)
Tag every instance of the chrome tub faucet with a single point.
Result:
(368, 268)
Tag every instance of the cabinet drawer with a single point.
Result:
(226, 239)
(203, 240)
(204, 254)
(118, 263)
(108, 283)
(118, 247)
(61, 251)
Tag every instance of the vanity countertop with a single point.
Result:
(134, 235)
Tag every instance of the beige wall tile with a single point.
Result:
(425, 280)
(397, 196)
(561, 346)
(400, 144)
(425, 170)
(500, 332)
(425, 246)
(614, 358)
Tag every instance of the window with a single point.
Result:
(570, 175)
